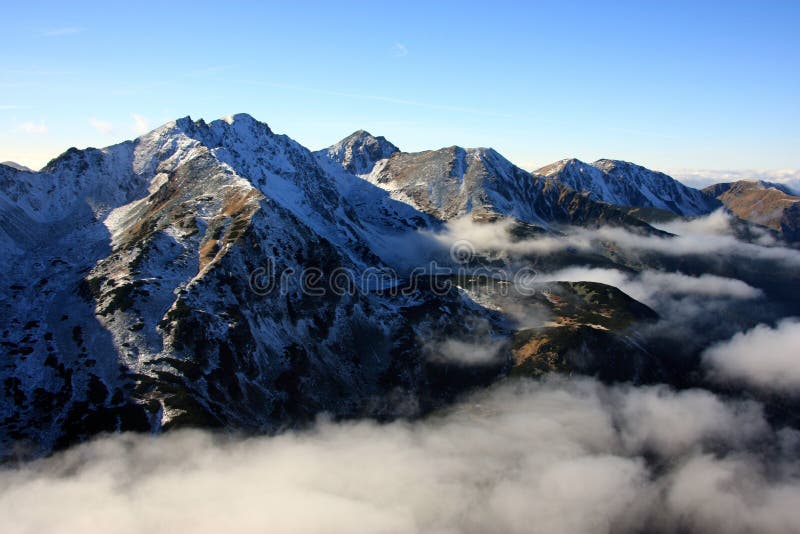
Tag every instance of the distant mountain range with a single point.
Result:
(627, 184)
(455, 181)
(699, 179)
(129, 301)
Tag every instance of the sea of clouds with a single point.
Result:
(563, 455)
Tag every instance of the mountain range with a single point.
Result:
(627, 184)
(160, 283)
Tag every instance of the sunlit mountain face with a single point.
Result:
(399, 341)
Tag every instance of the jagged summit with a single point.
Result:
(143, 314)
(455, 181)
(568, 167)
(359, 151)
(242, 123)
(627, 184)
(128, 298)
(239, 117)
(604, 163)
(361, 134)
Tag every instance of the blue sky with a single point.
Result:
(670, 85)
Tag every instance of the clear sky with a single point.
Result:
(666, 84)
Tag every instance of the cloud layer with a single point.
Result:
(702, 236)
(564, 455)
(766, 358)
(651, 286)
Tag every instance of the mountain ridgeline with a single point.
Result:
(766, 204)
(132, 278)
(627, 184)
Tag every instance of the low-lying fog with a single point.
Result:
(562, 455)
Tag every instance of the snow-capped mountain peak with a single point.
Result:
(131, 267)
(453, 182)
(143, 307)
(359, 151)
(627, 184)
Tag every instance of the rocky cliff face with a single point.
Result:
(762, 203)
(358, 152)
(159, 283)
(478, 182)
(219, 274)
(627, 184)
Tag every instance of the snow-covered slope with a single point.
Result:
(627, 184)
(454, 182)
(358, 152)
(220, 274)
(144, 288)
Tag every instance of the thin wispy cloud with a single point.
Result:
(104, 127)
(378, 98)
(399, 50)
(8, 107)
(60, 32)
(33, 127)
(140, 124)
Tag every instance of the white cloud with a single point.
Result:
(705, 285)
(34, 127)
(560, 456)
(141, 124)
(715, 223)
(496, 237)
(764, 357)
(702, 236)
(651, 287)
(689, 306)
(731, 494)
(104, 127)
(399, 50)
(655, 419)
